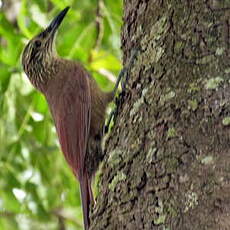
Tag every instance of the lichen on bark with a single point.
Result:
(168, 155)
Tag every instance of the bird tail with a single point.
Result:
(86, 199)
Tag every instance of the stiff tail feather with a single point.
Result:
(86, 199)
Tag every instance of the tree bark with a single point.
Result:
(167, 163)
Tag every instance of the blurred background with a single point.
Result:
(37, 189)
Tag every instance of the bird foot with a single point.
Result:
(123, 78)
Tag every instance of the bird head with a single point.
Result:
(41, 49)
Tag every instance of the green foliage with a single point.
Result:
(37, 189)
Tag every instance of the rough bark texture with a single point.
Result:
(168, 154)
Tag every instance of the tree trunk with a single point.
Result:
(167, 163)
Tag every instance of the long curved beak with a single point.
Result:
(56, 22)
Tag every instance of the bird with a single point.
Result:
(77, 105)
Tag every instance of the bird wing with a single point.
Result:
(70, 103)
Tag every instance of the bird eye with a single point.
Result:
(37, 43)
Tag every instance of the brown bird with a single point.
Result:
(76, 103)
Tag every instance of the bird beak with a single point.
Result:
(53, 26)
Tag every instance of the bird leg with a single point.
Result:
(123, 75)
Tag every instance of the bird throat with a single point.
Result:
(40, 72)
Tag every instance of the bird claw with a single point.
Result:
(111, 116)
(123, 77)
(126, 69)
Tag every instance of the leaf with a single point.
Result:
(5, 78)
